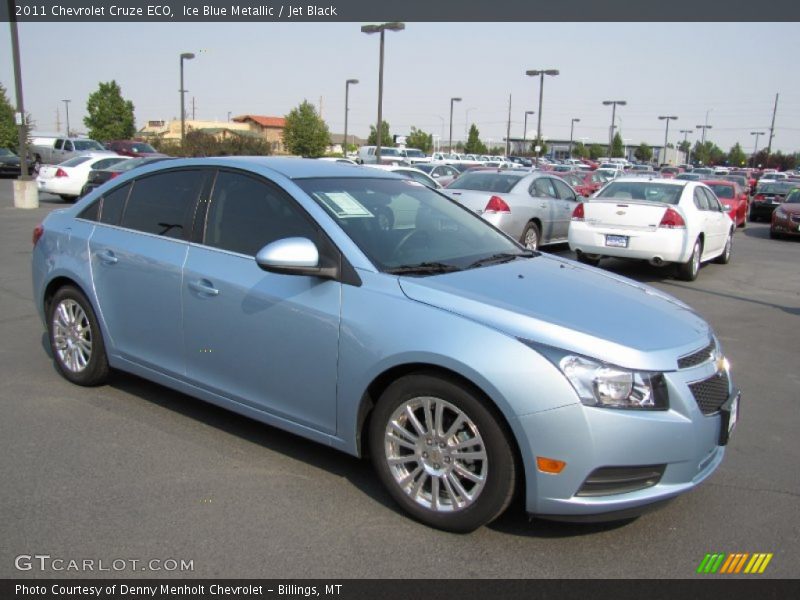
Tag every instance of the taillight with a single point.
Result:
(114, 174)
(672, 220)
(38, 232)
(496, 205)
(760, 197)
(61, 173)
(577, 214)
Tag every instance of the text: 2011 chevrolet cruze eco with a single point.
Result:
(372, 314)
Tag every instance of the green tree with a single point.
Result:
(109, 115)
(420, 140)
(474, 144)
(596, 151)
(8, 128)
(579, 150)
(617, 148)
(708, 153)
(305, 133)
(684, 147)
(736, 156)
(386, 137)
(643, 152)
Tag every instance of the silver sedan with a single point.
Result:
(532, 207)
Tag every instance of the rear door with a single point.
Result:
(567, 200)
(137, 254)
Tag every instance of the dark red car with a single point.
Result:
(730, 194)
(132, 148)
(786, 218)
(585, 183)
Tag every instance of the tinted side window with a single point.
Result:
(543, 188)
(113, 203)
(68, 146)
(564, 192)
(163, 204)
(713, 203)
(59, 144)
(91, 212)
(700, 200)
(248, 213)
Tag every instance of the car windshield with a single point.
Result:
(6, 152)
(486, 181)
(390, 152)
(426, 167)
(774, 188)
(74, 161)
(793, 197)
(415, 153)
(721, 190)
(127, 165)
(84, 145)
(688, 176)
(650, 191)
(143, 148)
(402, 225)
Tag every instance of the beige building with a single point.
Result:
(269, 128)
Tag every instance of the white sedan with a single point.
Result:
(659, 220)
(68, 178)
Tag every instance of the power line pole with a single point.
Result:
(508, 128)
(772, 128)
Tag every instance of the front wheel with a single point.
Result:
(688, 271)
(442, 453)
(75, 338)
(725, 257)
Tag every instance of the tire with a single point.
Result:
(531, 236)
(76, 341)
(774, 235)
(422, 472)
(725, 257)
(588, 259)
(688, 271)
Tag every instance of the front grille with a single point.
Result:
(711, 393)
(697, 358)
(620, 480)
(796, 218)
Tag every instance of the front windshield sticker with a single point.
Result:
(343, 205)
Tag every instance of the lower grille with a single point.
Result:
(711, 393)
(620, 480)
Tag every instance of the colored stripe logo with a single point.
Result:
(737, 562)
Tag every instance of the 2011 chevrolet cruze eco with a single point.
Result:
(466, 366)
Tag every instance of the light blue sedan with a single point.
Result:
(467, 367)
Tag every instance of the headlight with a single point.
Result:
(614, 387)
(780, 213)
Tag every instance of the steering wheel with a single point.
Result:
(400, 247)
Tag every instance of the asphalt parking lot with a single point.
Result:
(133, 470)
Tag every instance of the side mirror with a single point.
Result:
(726, 208)
(293, 256)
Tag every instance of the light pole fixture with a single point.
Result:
(525, 130)
(540, 73)
(347, 85)
(704, 127)
(66, 106)
(229, 116)
(184, 56)
(450, 146)
(666, 118)
(755, 148)
(613, 104)
(571, 130)
(382, 28)
(686, 133)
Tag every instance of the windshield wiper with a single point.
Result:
(423, 268)
(502, 257)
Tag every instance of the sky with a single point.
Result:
(723, 74)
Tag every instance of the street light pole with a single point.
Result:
(704, 127)
(382, 28)
(347, 85)
(666, 118)
(66, 106)
(613, 104)
(571, 130)
(184, 56)
(450, 146)
(525, 131)
(540, 73)
(22, 125)
(755, 148)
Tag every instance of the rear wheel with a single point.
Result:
(588, 259)
(442, 453)
(75, 338)
(688, 271)
(531, 236)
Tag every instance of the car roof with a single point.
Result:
(659, 180)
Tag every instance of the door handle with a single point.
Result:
(204, 286)
(107, 257)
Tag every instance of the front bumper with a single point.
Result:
(786, 225)
(686, 445)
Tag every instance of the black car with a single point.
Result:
(769, 195)
(9, 164)
(98, 177)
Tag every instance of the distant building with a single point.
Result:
(337, 139)
(271, 128)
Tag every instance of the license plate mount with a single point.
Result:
(617, 241)
(729, 413)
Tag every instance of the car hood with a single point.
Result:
(560, 303)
